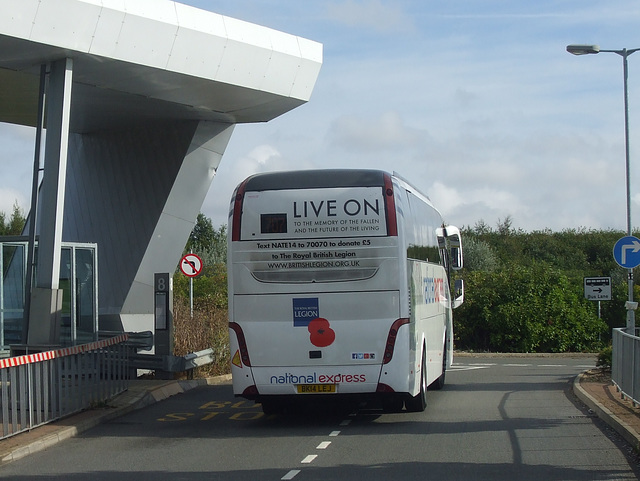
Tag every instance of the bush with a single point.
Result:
(605, 357)
(209, 288)
(207, 329)
(526, 309)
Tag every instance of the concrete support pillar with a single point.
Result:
(46, 298)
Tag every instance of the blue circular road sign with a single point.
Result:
(626, 252)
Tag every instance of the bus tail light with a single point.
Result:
(242, 343)
(390, 204)
(238, 197)
(391, 339)
(251, 392)
(384, 388)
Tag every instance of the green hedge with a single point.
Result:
(532, 308)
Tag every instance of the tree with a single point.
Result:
(211, 246)
(505, 226)
(481, 227)
(202, 235)
(16, 223)
(216, 253)
(532, 299)
(479, 255)
(524, 308)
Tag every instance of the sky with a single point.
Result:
(476, 103)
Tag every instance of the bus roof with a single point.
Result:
(315, 179)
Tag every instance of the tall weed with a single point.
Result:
(207, 329)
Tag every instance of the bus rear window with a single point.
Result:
(313, 213)
(273, 223)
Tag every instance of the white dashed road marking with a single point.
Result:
(290, 475)
(457, 367)
(312, 457)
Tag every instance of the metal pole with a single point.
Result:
(33, 213)
(624, 53)
(191, 295)
(191, 291)
(631, 319)
(625, 70)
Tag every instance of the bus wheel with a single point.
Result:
(418, 403)
(439, 383)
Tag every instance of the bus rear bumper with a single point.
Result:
(316, 381)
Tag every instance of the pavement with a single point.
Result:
(593, 388)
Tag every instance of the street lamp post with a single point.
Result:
(624, 53)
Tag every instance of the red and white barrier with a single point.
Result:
(67, 351)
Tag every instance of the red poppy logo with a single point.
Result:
(321, 334)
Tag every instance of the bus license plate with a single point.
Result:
(316, 388)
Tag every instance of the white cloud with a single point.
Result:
(468, 207)
(16, 167)
(375, 15)
(447, 198)
(386, 132)
(8, 199)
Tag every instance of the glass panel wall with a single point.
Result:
(78, 281)
(13, 263)
(66, 284)
(86, 301)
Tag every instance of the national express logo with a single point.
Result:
(315, 378)
(306, 312)
(433, 290)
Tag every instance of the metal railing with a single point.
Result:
(625, 364)
(39, 388)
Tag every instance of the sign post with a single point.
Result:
(191, 266)
(626, 252)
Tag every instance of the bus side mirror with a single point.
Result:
(458, 297)
(450, 238)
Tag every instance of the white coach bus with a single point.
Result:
(339, 286)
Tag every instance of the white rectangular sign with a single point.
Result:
(314, 214)
(597, 288)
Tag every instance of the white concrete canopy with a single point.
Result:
(154, 88)
(140, 59)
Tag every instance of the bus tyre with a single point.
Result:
(439, 383)
(418, 403)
